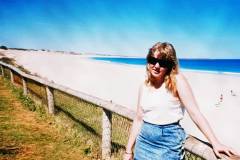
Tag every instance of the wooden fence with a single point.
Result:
(192, 145)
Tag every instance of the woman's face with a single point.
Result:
(156, 70)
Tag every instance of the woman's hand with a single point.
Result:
(128, 156)
(220, 148)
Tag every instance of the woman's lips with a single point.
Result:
(156, 71)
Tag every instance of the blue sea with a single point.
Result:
(209, 65)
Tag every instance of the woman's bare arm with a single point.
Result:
(137, 123)
(188, 99)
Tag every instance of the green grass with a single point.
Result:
(26, 133)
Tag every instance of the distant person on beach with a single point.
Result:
(232, 93)
(162, 100)
(220, 100)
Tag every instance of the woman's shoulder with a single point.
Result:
(142, 85)
(182, 81)
(180, 77)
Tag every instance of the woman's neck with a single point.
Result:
(157, 83)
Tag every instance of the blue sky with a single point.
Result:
(197, 29)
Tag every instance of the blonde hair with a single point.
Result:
(168, 53)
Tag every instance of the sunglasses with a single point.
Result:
(161, 62)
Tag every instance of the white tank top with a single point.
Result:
(160, 106)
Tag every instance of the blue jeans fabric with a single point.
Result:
(160, 142)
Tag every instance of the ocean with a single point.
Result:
(208, 65)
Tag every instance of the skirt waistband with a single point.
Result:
(164, 125)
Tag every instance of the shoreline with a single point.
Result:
(211, 72)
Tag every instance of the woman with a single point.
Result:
(162, 100)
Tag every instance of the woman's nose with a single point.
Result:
(157, 65)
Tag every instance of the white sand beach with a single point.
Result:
(119, 83)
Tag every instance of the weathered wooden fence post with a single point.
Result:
(106, 134)
(2, 70)
(50, 100)
(11, 76)
(24, 86)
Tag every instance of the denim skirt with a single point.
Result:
(160, 142)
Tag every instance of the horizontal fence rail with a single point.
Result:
(192, 145)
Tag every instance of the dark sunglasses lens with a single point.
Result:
(163, 63)
(152, 60)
